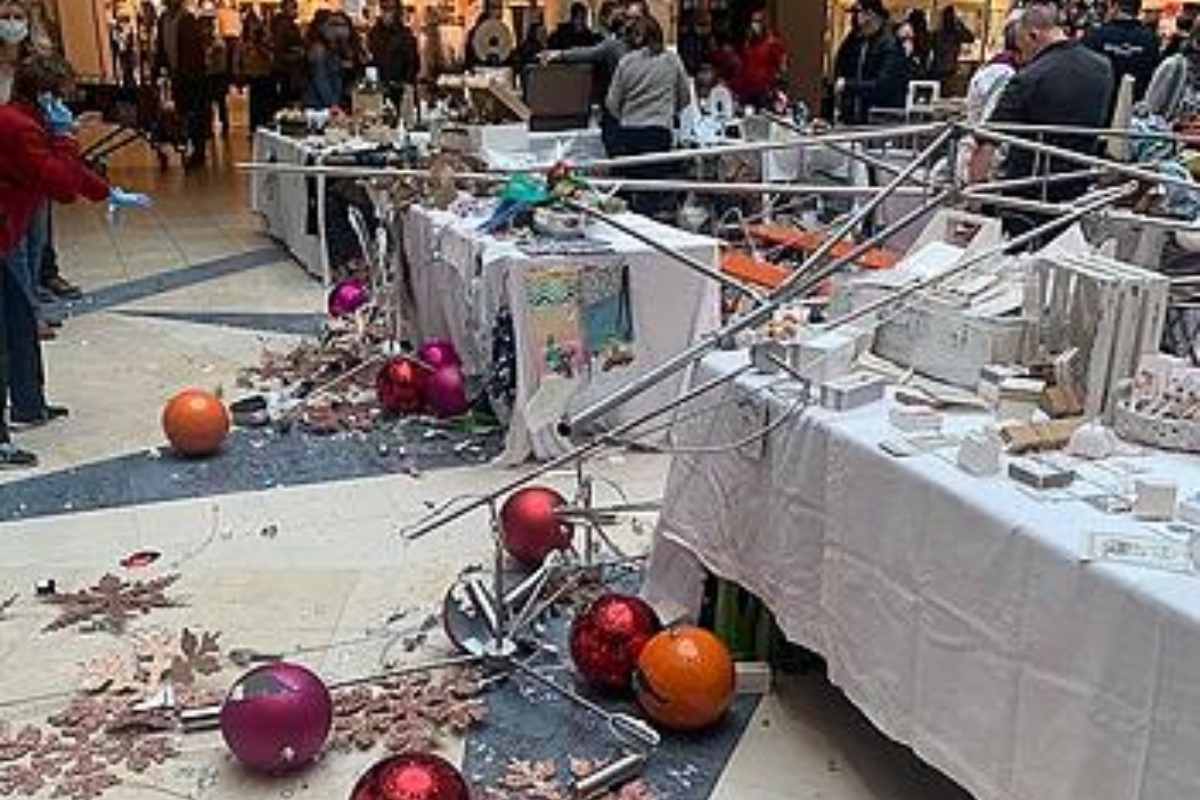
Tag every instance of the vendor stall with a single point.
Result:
(586, 317)
(957, 611)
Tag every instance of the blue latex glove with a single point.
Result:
(62, 121)
(119, 198)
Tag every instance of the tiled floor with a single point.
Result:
(286, 567)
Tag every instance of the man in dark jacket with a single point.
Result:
(180, 54)
(396, 54)
(1130, 46)
(1061, 83)
(287, 54)
(575, 31)
(871, 68)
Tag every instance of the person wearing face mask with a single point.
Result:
(14, 41)
(347, 46)
(40, 162)
(180, 55)
(763, 58)
(397, 55)
(323, 85)
(871, 67)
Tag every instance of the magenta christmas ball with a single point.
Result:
(446, 393)
(412, 776)
(530, 525)
(347, 296)
(608, 637)
(277, 717)
(438, 353)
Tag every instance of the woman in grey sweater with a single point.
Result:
(648, 91)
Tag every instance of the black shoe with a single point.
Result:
(13, 457)
(63, 288)
(39, 418)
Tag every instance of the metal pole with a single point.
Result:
(1074, 130)
(582, 451)
(985, 132)
(694, 264)
(1020, 183)
(797, 283)
(1099, 200)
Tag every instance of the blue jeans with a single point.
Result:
(22, 375)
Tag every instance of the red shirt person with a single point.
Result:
(763, 60)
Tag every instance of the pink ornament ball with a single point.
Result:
(438, 353)
(347, 296)
(446, 393)
(277, 718)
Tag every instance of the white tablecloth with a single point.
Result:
(462, 278)
(283, 200)
(953, 610)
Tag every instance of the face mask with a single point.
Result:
(14, 31)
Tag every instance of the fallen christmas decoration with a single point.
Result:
(112, 603)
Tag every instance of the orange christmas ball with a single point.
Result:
(684, 678)
(196, 423)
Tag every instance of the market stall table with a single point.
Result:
(955, 611)
(292, 205)
(583, 324)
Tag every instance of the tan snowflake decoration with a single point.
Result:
(539, 780)
(111, 603)
(154, 657)
(408, 713)
(83, 751)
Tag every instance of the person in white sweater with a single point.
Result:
(648, 90)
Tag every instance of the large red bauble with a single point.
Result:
(438, 353)
(277, 717)
(446, 393)
(196, 422)
(412, 776)
(530, 525)
(400, 386)
(608, 637)
(347, 296)
(684, 678)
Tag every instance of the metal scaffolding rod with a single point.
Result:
(797, 284)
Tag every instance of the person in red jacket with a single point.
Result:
(39, 162)
(762, 61)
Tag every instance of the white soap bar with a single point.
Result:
(1154, 499)
(825, 356)
(979, 454)
(914, 419)
(852, 391)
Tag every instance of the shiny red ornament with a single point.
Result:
(348, 296)
(608, 637)
(400, 386)
(438, 353)
(446, 393)
(277, 717)
(530, 526)
(685, 678)
(412, 776)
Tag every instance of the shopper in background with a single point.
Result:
(763, 59)
(648, 91)
(256, 70)
(397, 55)
(1060, 83)
(695, 39)
(1129, 46)
(180, 55)
(604, 59)
(323, 81)
(288, 53)
(1183, 31)
(948, 42)
(216, 61)
(575, 31)
(917, 42)
(39, 162)
(870, 67)
(532, 47)
(351, 54)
